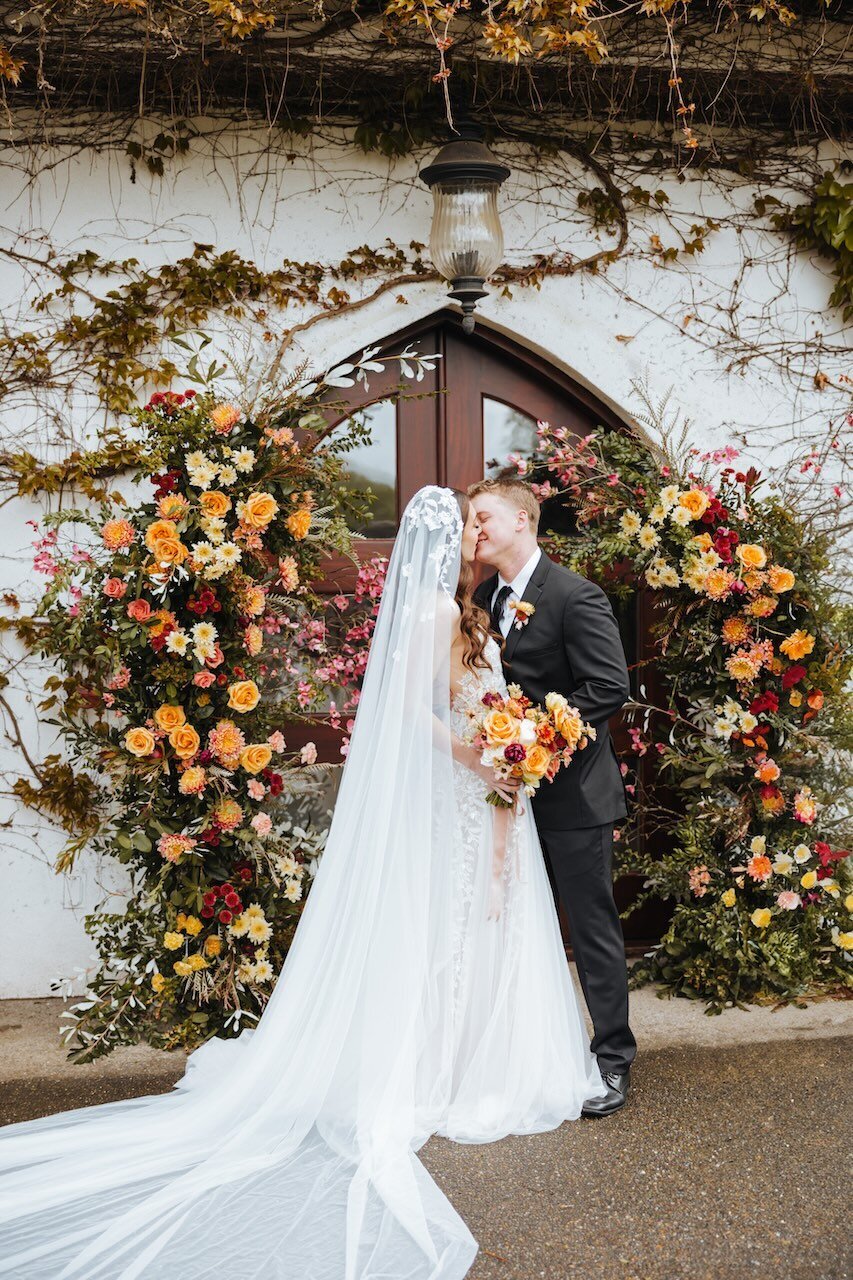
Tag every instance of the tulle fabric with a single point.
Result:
(401, 1011)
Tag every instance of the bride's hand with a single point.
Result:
(507, 788)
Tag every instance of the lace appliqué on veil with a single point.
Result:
(473, 811)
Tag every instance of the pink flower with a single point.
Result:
(256, 789)
(204, 679)
(262, 822)
(308, 754)
(115, 588)
(789, 900)
(276, 741)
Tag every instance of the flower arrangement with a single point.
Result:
(751, 736)
(520, 740)
(188, 635)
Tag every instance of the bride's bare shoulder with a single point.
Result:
(448, 609)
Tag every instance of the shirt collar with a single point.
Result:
(521, 579)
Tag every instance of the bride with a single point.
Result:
(426, 992)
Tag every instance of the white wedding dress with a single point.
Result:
(401, 1011)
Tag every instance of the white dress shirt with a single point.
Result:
(518, 586)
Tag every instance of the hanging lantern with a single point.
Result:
(466, 240)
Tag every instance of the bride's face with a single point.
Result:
(470, 534)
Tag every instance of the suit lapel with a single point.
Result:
(531, 594)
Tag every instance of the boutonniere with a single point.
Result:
(523, 611)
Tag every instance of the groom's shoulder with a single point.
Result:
(568, 582)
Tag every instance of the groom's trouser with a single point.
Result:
(580, 866)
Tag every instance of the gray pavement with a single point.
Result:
(730, 1160)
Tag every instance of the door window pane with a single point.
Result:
(373, 465)
(505, 430)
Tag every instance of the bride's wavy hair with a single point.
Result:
(474, 622)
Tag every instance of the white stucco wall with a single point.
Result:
(234, 191)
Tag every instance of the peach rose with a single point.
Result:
(258, 510)
(566, 719)
(243, 696)
(751, 555)
(299, 522)
(168, 717)
(255, 757)
(185, 741)
(696, 501)
(779, 579)
(204, 679)
(214, 503)
(499, 728)
(139, 610)
(115, 588)
(537, 761)
(139, 742)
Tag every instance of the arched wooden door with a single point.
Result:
(480, 403)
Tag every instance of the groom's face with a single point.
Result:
(501, 526)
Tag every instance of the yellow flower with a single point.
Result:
(758, 844)
(752, 556)
(779, 579)
(172, 941)
(158, 530)
(844, 940)
(158, 982)
(537, 761)
(630, 523)
(193, 781)
(729, 898)
(117, 534)
(848, 902)
(695, 501)
(212, 945)
(761, 917)
(185, 741)
(255, 757)
(182, 968)
(499, 728)
(762, 606)
(795, 698)
(299, 522)
(168, 717)
(193, 926)
(181, 920)
(809, 880)
(172, 506)
(197, 961)
(243, 696)
(258, 510)
(139, 742)
(797, 645)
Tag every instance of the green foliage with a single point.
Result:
(825, 225)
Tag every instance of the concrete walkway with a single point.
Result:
(730, 1160)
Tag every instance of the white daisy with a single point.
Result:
(244, 459)
(647, 537)
(758, 845)
(293, 890)
(238, 926)
(203, 552)
(668, 496)
(227, 475)
(748, 722)
(680, 516)
(783, 864)
(259, 930)
(723, 728)
(204, 633)
(658, 513)
(630, 523)
(669, 576)
(228, 555)
(202, 477)
(802, 853)
(177, 642)
(263, 971)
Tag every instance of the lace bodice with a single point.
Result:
(474, 684)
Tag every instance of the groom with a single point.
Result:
(568, 644)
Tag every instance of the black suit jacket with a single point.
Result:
(571, 645)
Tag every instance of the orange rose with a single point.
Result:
(168, 717)
(703, 541)
(139, 610)
(185, 741)
(696, 501)
(169, 551)
(797, 645)
(751, 555)
(160, 529)
(815, 699)
(139, 742)
(255, 757)
(299, 523)
(499, 728)
(566, 719)
(258, 510)
(214, 503)
(243, 696)
(779, 579)
(537, 761)
(172, 506)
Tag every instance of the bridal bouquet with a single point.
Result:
(522, 740)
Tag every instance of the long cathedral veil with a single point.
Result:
(290, 1151)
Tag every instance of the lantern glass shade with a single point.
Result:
(465, 238)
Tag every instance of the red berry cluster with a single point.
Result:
(231, 904)
(273, 780)
(725, 541)
(205, 602)
(169, 402)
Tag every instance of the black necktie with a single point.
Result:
(498, 608)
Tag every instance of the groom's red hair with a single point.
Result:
(515, 491)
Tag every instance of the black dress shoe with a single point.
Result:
(617, 1094)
